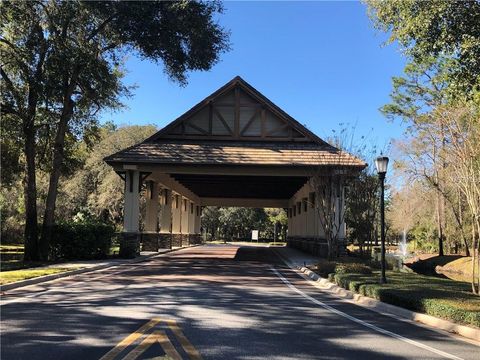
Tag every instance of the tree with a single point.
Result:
(211, 220)
(95, 190)
(64, 62)
(441, 40)
(361, 208)
(436, 33)
(439, 98)
(23, 53)
(462, 125)
(276, 218)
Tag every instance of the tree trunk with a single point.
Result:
(58, 155)
(474, 254)
(440, 224)
(31, 222)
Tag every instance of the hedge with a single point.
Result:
(81, 241)
(443, 298)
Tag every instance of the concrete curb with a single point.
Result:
(45, 278)
(384, 308)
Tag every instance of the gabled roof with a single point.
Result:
(236, 111)
(236, 125)
(196, 152)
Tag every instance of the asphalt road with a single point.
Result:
(209, 302)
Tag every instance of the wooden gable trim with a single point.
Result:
(236, 121)
(222, 120)
(250, 122)
(236, 84)
(199, 106)
(195, 127)
(210, 117)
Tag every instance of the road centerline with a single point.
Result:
(361, 322)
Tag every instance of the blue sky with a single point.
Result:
(322, 62)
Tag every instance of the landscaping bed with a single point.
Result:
(443, 298)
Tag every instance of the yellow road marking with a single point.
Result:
(167, 346)
(164, 341)
(159, 336)
(122, 345)
(192, 353)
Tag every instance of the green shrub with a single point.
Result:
(352, 268)
(442, 298)
(82, 241)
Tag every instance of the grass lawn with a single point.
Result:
(11, 248)
(443, 298)
(17, 275)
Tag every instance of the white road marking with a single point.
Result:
(363, 323)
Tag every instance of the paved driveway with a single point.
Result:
(208, 302)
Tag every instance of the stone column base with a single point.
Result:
(314, 246)
(177, 240)
(165, 240)
(194, 239)
(129, 245)
(149, 241)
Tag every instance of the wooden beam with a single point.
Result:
(222, 120)
(210, 117)
(254, 203)
(250, 121)
(195, 127)
(237, 113)
(267, 170)
(170, 183)
(264, 117)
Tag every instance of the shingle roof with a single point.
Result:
(235, 153)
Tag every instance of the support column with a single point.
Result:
(165, 235)
(150, 236)
(130, 242)
(177, 220)
(185, 212)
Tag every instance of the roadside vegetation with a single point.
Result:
(443, 298)
(435, 200)
(433, 295)
(7, 277)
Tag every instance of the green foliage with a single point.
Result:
(361, 208)
(229, 223)
(443, 298)
(440, 35)
(64, 64)
(95, 190)
(424, 238)
(74, 241)
(352, 268)
(239, 222)
(12, 212)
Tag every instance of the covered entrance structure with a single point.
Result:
(234, 148)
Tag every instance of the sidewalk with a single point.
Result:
(88, 264)
(79, 267)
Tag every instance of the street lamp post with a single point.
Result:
(381, 163)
